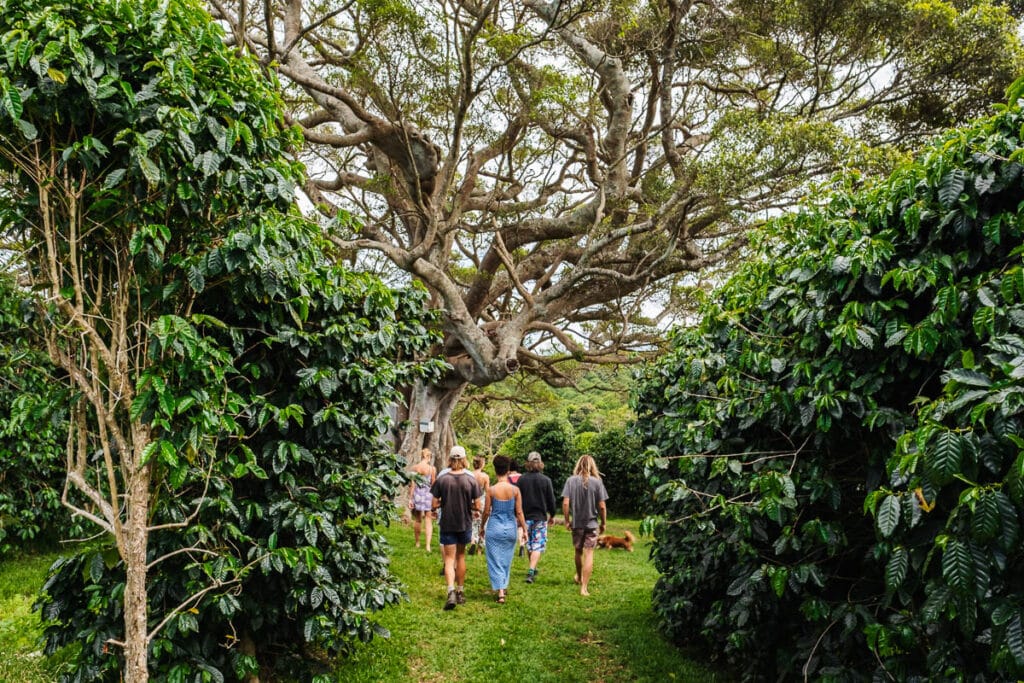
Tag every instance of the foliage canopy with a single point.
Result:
(556, 172)
(229, 383)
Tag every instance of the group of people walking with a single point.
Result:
(474, 512)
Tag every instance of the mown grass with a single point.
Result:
(21, 577)
(545, 632)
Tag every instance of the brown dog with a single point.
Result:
(608, 541)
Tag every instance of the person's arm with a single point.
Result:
(486, 514)
(602, 512)
(519, 511)
(550, 502)
(565, 511)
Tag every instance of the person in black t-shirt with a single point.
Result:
(456, 494)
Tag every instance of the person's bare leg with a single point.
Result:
(587, 570)
(429, 522)
(460, 565)
(534, 558)
(448, 552)
(416, 526)
(579, 565)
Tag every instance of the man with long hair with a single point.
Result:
(584, 495)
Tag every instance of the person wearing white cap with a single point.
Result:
(455, 493)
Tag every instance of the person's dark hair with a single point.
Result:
(478, 462)
(501, 465)
(513, 466)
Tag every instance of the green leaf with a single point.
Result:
(888, 516)
(950, 187)
(969, 377)
(96, 567)
(985, 518)
(935, 603)
(944, 456)
(113, 178)
(166, 403)
(780, 575)
(196, 280)
(27, 129)
(10, 98)
(150, 170)
(1015, 639)
(896, 568)
(149, 451)
(958, 565)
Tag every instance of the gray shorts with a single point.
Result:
(584, 538)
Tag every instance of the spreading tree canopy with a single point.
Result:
(554, 172)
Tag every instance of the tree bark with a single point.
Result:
(135, 544)
(431, 403)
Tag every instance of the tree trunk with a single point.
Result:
(431, 403)
(134, 549)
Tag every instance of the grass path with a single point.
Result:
(545, 632)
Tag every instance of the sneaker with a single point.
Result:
(531, 576)
(460, 597)
(451, 601)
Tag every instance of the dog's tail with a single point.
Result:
(629, 537)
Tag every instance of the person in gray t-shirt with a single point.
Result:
(584, 495)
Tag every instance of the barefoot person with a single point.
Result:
(503, 515)
(584, 495)
(455, 494)
(538, 509)
(420, 498)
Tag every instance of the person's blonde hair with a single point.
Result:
(586, 468)
(425, 453)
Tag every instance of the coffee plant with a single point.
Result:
(302, 360)
(838, 445)
(33, 430)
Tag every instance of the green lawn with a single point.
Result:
(22, 660)
(545, 632)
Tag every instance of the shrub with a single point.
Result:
(33, 430)
(837, 442)
(584, 442)
(284, 523)
(620, 456)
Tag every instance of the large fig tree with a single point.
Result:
(553, 171)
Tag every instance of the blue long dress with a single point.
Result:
(501, 542)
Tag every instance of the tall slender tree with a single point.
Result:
(130, 137)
